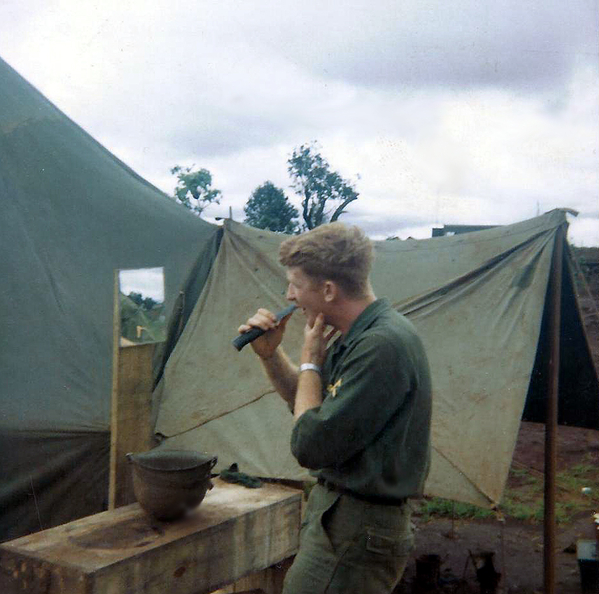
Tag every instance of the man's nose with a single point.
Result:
(290, 295)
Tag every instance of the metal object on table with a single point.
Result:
(169, 483)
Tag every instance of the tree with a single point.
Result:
(194, 188)
(269, 208)
(148, 303)
(137, 298)
(319, 187)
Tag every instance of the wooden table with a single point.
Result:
(234, 532)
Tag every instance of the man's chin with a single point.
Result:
(310, 317)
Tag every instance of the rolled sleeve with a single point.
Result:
(371, 384)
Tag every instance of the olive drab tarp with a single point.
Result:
(72, 213)
(478, 301)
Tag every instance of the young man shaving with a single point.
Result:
(362, 408)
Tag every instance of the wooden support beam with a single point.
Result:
(130, 427)
(130, 418)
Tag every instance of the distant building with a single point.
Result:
(459, 229)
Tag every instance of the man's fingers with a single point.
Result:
(265, 313)
(263, 319)
(319, 322)
(316, 326)
(283, 322)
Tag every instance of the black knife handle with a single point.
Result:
(240, 341)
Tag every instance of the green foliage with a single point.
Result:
(137, 298)
(437, 506)
(145, 302)
(142, 319)
(320, 188)
(581, 475)
(149, 303)
(194, 188)
(268, 208)
(523, 497)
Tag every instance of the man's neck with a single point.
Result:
(349, 310)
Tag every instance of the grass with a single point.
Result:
(437, 507)
(523, 496)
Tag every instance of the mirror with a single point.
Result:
(141, 306)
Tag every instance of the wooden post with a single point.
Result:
(130, 429)
(555, 284)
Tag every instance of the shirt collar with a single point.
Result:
(363, 321)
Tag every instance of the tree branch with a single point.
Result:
(339, 210)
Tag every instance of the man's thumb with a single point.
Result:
(283, 323)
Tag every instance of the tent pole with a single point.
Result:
(555, 285)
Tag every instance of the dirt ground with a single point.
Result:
(518, 546)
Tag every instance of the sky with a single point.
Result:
(147, 281)
(462, 112)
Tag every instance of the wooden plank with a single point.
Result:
(114, 397)
(131, 412)
(130, 417)
(234, 532)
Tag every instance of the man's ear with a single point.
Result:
(330, 290)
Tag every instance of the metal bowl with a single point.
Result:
(169, 483)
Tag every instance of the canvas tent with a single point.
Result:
(479, 302)
(72, 213)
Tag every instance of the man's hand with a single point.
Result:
(265, 345)
(315, 341)
(309, 387)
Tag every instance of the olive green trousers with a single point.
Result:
(349, 546)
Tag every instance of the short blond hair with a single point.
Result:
(332, 252)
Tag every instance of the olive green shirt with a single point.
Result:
(371, 434)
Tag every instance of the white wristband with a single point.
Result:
(309, 367)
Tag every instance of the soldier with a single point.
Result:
(362, 410)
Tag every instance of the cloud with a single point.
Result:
(438, 44)
(584, 231)
(470, 157)
(147, 281)
(462, 112)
